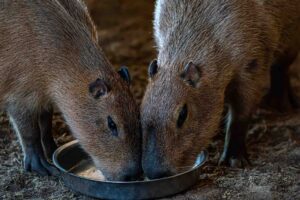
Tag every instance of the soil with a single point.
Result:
(125, 32)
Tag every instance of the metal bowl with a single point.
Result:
(69, 159)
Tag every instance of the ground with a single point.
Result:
(125, 31)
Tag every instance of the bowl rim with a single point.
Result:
(203, 154)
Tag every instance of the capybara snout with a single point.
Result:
(153, 162)
(129, 171)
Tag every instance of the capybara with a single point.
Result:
(49, 56)
(214, 54)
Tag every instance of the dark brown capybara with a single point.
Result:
(49, 56)
(212, 54)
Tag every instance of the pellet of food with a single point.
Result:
(92, 173)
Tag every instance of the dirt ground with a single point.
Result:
(125, 31)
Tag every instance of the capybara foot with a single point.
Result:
(235, 159)
(240, 162)
(36, 162)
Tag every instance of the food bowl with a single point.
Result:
(72, 161)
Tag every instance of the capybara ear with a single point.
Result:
(98, 88)
(153, 68)
(191, 74)
(124, 73)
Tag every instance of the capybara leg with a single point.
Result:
(45, 125)
(235, 153)
(26, 126)
(243, 98)
(281, 96)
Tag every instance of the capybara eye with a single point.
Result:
(112, 126)
(182, 116)
(153, 67)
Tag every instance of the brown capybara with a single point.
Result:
(49, 57)
(211, 54)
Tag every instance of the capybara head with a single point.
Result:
(180, 113)
(104, 117)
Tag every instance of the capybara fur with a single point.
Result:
(49, 56)
(214, 54)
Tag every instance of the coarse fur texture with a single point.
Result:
(211, 54)
(49, 56)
